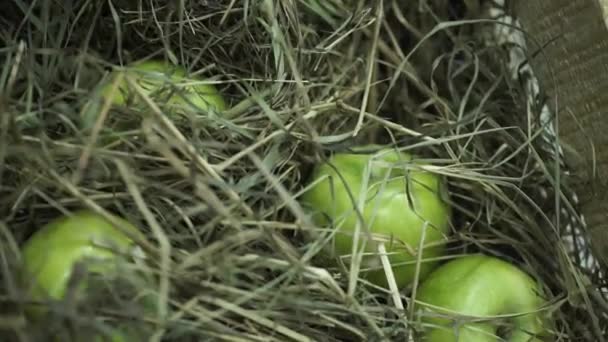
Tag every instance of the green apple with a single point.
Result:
(401, 202)
(475, 287)
(50, 255)
(170, 83)
(166, 84)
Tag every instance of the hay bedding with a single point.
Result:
(217, 194)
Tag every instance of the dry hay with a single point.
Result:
(217, 195)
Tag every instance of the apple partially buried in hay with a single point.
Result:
(401, 203)
(51, 255)
(505, 302)
(169, 84)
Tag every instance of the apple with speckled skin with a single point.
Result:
(480, 288)
(400, 203)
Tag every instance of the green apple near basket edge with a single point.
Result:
(401, 203)
(479, 298)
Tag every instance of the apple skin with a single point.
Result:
(154, 75)
(387, 212)
(50, 255)
(481, 286)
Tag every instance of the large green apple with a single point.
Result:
(170, 83)
(478, 287)
(400, 202)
